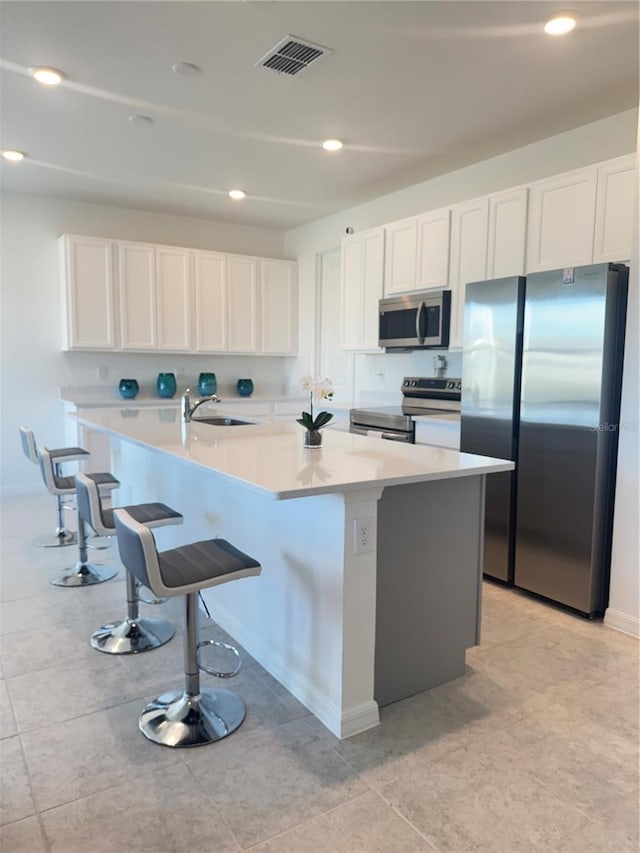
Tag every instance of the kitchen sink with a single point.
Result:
(221, 420)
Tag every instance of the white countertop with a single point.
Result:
(268, 456)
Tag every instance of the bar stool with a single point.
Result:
(134, 634)
(83, 573)
(196, 715)
(62, 537)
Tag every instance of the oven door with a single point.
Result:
(387, 434)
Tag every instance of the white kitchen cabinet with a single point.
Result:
(400, 256)
(87, 279)
(616, 192)
(507, 233)
(278, 307)
(242, 304)
(433, 243)
(210, 301)
(137, 296)
(561, 221)
(173, 299)
(438, 432)
(362, 272)
(469, 232)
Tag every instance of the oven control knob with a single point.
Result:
(458, 386)
(413, 383)
(450, 385)
(406, 382)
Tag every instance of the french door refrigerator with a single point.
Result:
(541, 382)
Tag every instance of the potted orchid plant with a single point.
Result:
(319, 389)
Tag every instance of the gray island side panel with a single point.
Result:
(429, 573)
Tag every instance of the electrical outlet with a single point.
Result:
(103, 373)
(363, 535)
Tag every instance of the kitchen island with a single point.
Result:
(371, 550)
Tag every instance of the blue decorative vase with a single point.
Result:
(207, 384)
(128, 388)
(245, 387)
(166, 385)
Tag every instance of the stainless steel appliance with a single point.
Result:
(415, 320)
(421, 396)
(542, 372)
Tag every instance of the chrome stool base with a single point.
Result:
(85, 574)
(59, 539)
(132, 636)
(179, 720)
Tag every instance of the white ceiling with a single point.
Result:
(415, 89)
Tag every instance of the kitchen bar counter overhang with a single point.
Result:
(371, 551)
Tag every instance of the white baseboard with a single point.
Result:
(340, 723)
(622, 622)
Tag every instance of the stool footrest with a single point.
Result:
(217, 673)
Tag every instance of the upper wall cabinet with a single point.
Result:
(617, 187)
(87, 279)
(173, 299)
(432, 253)
(278, 307)
(400, 256)
(469, 231)
(362, 271)
(561, 221)
(507, 233)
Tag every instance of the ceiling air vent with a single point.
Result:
(292, 55)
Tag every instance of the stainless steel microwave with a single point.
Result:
(415, 320)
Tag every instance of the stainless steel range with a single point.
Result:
(420, 396)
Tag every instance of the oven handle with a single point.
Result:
(387, 436)
(419, 336)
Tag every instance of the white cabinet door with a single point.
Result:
(400, 256)
(469, 227)
(362, 271)
(507, 233)
(210, 301)
(173, 299)
(617, 189)
(136, 279)
(278, 307)
(561, 221)
(434, 233)
(242, 304)
(438, 432)
(87, 277)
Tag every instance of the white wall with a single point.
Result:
(33, 368)
(624, 595)
(602, 140)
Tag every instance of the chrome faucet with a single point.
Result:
(188, 409)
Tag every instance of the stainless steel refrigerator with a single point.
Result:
(541, 383)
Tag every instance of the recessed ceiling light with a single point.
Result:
(13, 156)
(140, 119)
(48, 76)
(332, 145)
(559, 25)
(186, 69)
(237, 194)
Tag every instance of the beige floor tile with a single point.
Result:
(41, 612)
(615, 832)
(268, 782)
(16, 801)
(72, 690)
(8, 726)
(163, 812)
(364, 825)
(24, 836)
(91, 753)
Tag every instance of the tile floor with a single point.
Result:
(535, 748)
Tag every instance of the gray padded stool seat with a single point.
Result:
(134, 634)
(83, 573)
(62, 536)
(196, 715)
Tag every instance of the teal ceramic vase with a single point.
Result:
(128, 388)
(166, 385)
(207, 384)
(245, 387)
